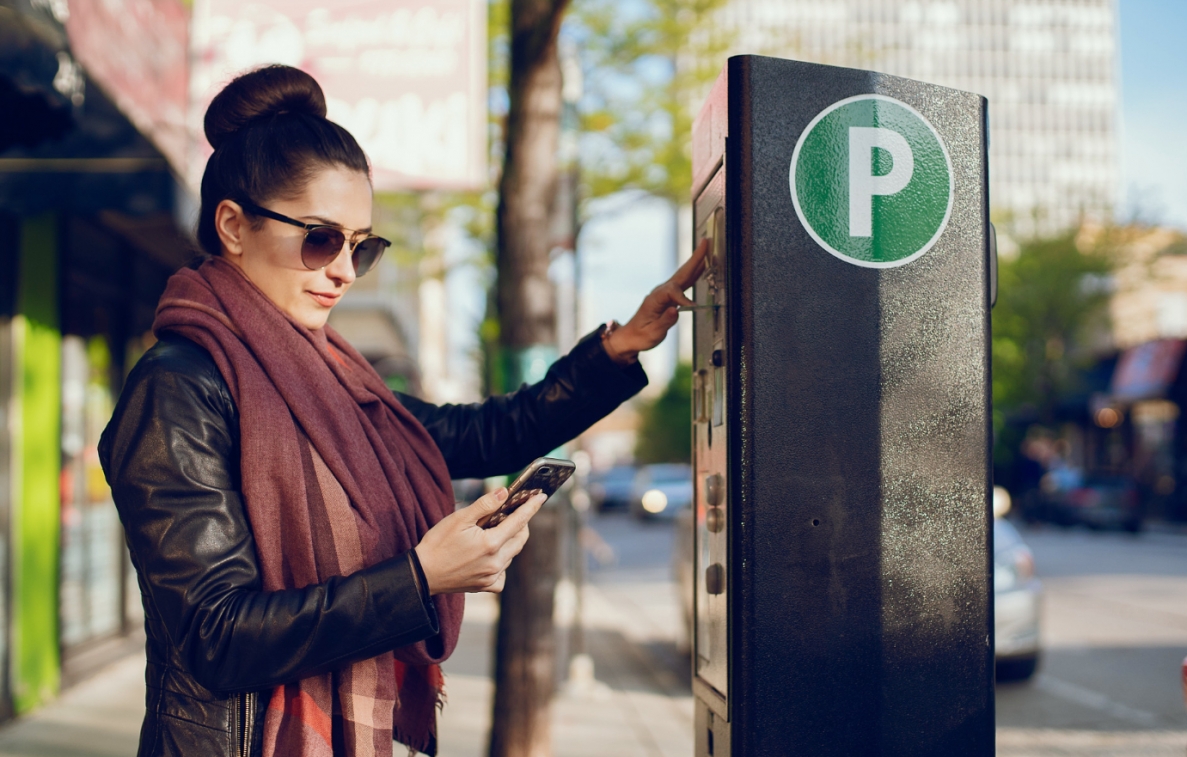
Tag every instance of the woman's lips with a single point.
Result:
(324, 299)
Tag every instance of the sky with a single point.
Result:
(626, 249)
(1154, 110)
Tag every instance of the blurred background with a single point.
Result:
(101, 152)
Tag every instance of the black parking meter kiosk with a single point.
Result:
(841, 423)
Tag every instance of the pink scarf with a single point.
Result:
(337, 476)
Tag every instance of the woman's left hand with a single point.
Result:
(658, 313)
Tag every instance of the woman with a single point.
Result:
(290, 519)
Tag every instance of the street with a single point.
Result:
(1114, 635)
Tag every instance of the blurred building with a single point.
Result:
(91, 221)
(1137, 425)
(1125, 421)
(1048, 67)
(1150, 297)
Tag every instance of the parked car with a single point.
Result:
(1016, 598)
(682, 572)
(611, 489)
(1096, 502)
(1017, 594)
(662, 490)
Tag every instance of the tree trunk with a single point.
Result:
(526, 302)
(525, 647)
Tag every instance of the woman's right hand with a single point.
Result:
(458, 555)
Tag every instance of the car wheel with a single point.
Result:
(1017, 668)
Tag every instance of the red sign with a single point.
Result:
(136, 50)
(406, 77)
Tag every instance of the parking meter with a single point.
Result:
(841, 417)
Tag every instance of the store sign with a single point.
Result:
(135, 50)
(406, 77)
(1147, 370)
(871, 181)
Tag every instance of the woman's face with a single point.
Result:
(270, 254)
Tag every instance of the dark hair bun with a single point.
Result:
(270, 136)
(259, 94)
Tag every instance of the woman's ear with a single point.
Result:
(230, 223)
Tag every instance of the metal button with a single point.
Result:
(713, 490)
(715, 520)
(715, 579)
(718, 358)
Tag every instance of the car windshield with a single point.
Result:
(670, 474)
(617, 475)
(1005, 536)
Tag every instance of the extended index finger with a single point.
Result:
(687, 274)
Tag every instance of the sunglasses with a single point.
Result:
(324, 242)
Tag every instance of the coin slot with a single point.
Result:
(700, 396)
(718, 396)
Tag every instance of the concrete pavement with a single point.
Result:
(638, 706)
(99, 717)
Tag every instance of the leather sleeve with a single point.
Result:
(171, 456)
(505, 433)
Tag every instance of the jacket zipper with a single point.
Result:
(249, 722)
(244, 714)
(244, 721)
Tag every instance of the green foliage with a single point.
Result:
(1052, 299)
(647, 67)
(665, 431)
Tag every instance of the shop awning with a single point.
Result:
(1147, 370)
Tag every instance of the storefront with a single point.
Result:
(1140, 420)
(90, 229)
(109, 290)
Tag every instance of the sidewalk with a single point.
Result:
(99, 717)
(641, 707)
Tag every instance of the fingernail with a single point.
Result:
(501, 493)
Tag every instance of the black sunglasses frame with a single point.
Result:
(256, 210)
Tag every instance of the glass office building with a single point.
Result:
(1048, 68)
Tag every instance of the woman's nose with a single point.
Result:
(341, 268)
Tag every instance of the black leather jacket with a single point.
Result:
(216, 642)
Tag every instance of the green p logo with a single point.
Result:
(872, 182)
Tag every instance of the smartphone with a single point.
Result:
(545, 474)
